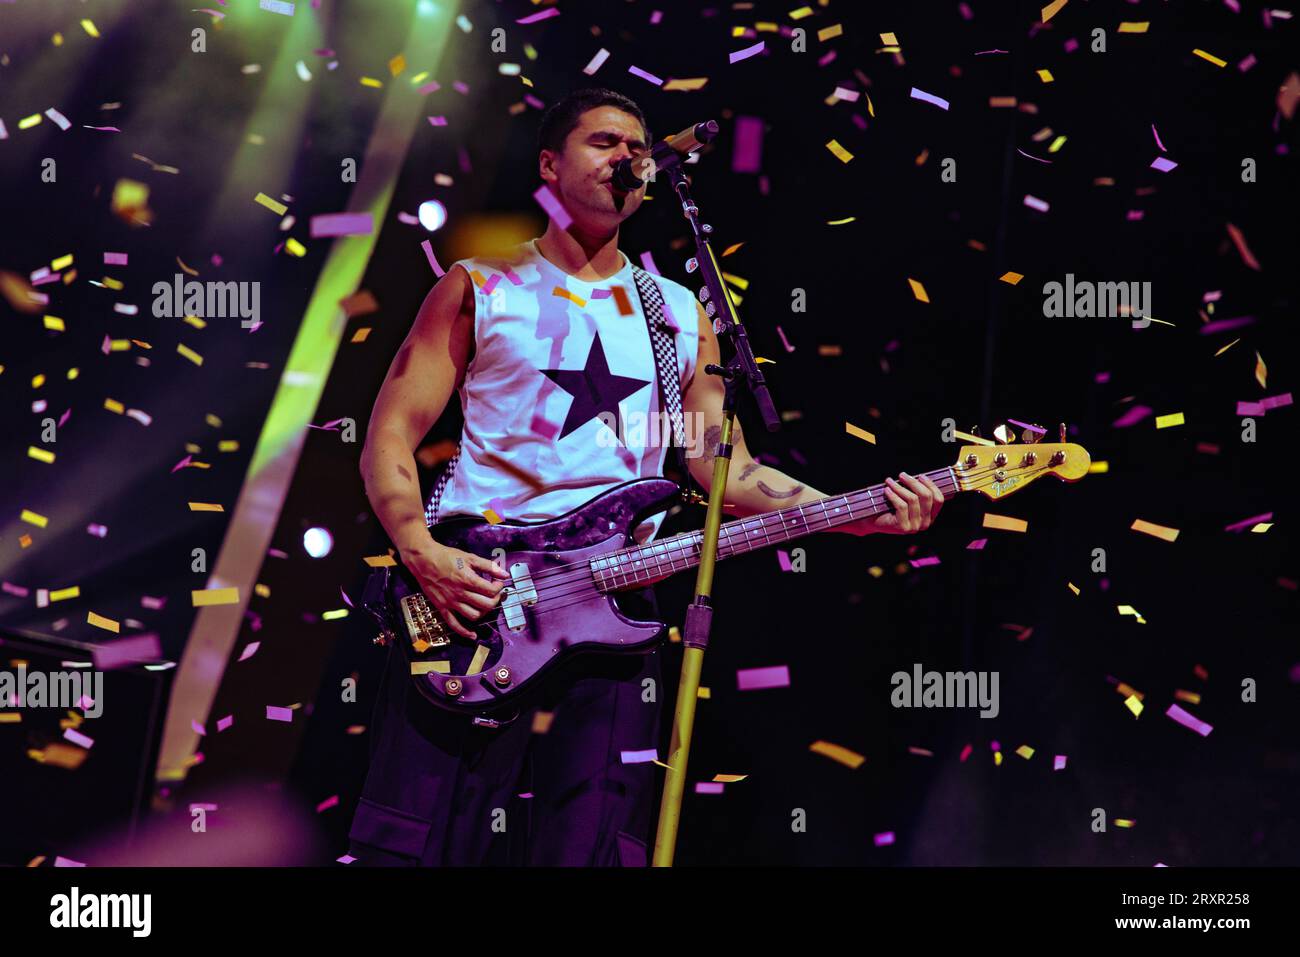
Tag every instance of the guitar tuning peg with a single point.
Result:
(1061, 432)
(1004, 435)
(1034, 435)
(975, 431)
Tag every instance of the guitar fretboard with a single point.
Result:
(642, 564)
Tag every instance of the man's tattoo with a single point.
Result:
(749, 470)
(773, 493)
(460, 563)
(712, 436)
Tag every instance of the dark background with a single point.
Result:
(979, 352)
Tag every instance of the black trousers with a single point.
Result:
(442, 791)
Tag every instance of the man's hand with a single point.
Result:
(916, 504)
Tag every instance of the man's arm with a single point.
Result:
(753, 488)
(428, 366)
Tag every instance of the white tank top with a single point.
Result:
(561, 389)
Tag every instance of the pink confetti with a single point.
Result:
(709, 787)
(249, 650)
(225, 722)
(1251, 408)
(648, 264)
(553, 207)
(491, 284)
(784, 341)
(198, 728)
(922, 562)
(76, 737)
(1276, 401)
(427, 246)
(182, 463)
(1163, 165)
(884, 839)
(540, 426)
(342, 224)
(1132, 417)
(1248, 522)
(1033, 202)
(637, 71)
(1223, 325)
(115, 259)
(1059, 763)
(938, 101)
(1188, 721)
(783, 559)
(596, 62)
(1157, 136)
(755, 679)
(431, 87)
(329, 802)
(640, 757)
(744, 54)
(127, 651)
(274, 713)
(965, 753)
(58, 119)
(977, 545)
(346, 859)
(99, 531)
(437, 121)
(543, 15)
(60, 861)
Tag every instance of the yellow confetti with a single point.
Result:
(837, 753)
(1226, 348)
(10, 717)
(1073, 587)
(840, 152)
(295, 248)
(729, 778)
(41, 455)
(189, 353)
(703, 693)
(686, 84)
(1005, 522)
(261, 590)
(1124, 822)
(1101, 466)
(479, 660)
(89, 27)
(801, 13)
(99, 621)
(1261, 527)
(425, 667)
(827, 33)
(840, 222)
(889, 39)
(214, 596)
(206, 507)
(1052, 9)
(397, 64)
(863, 434)
(1167, 421)
(918, 290)
(65, 593)
(975, 439)
(63, 262)
(27, 122)
(1025, 751)
(31, 518)
(1127, 690)
(1210, 57)
(1056, 144)
(492, 517)
(1191, 697)
(871, 110)
(371, 81)
(1261, 371)
(997, 758)
(1134, 26)
(1011, 277)
(278, 208)
(361, 334)
(542, 721)
(1154, 530)
(334, 614)
(565, 294)
(1045, 75)
(228, 445)
(1134, 705)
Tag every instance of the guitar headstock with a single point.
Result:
(999, 468)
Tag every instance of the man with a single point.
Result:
(548, 370)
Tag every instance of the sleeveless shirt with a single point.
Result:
(560, 397)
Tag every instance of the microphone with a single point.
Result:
(683, 144)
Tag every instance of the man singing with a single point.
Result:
(546, 365)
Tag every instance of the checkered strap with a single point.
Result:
(665, 353)
(431, 510)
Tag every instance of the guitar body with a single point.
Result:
(550, 611)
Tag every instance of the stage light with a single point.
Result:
(318, 542)
(426, 8)
(432, 215)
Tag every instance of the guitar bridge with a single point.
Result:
(423, 624)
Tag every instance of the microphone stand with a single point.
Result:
(740, 372)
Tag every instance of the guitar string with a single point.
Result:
(585, 577)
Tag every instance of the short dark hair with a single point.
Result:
(562, 117)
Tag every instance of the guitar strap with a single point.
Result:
(665, 353)
(664, 347)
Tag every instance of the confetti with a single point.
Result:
(938, 101)
(918, 290)
(1261, 371)
(1133, 26)
(1188, 721)
(1163, 165)
(1210, 57)
(214, 596)
(1058, 763)
(853, 430)
(639, 757)
(755, 679)
(1134, 705)
(1005, 523)
(278, 208)
(1154, 530)
(601, 56)
(342, 224)
(1166, 421)
(1011, 277)
(1052, 9)
(99, 621)
(546, 199)
(840, 152)
(747, 52)
(835, 752)
(274, 713)
(1045, 76)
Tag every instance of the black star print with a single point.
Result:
(593, 389)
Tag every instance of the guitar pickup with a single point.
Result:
(522, 593)
(422, 623)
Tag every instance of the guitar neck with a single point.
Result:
(640, 565)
